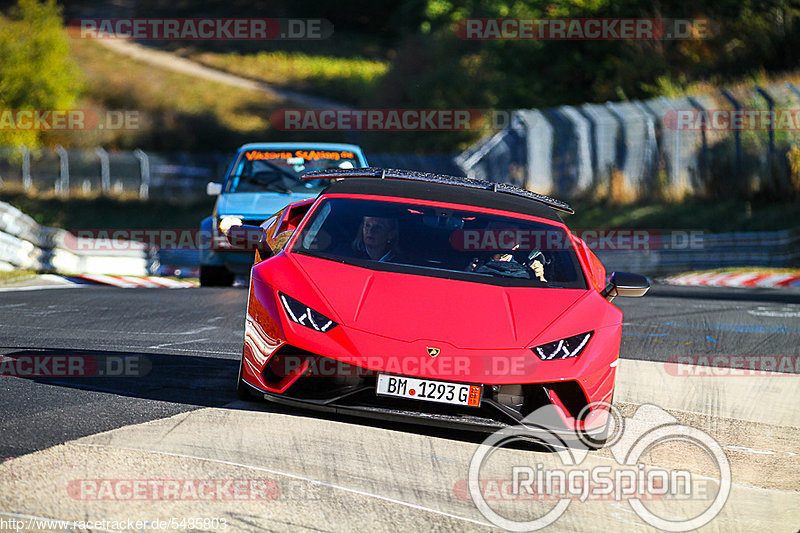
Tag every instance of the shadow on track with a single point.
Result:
(200, 381)
(180, 379)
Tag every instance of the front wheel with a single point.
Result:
(611, 431)
(215, 276)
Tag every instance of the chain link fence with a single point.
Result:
(715, 145)
(177, 177)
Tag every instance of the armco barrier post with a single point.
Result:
(105, 170)
(675, 154)
(27, 183)
(144, 167)
(771, 106)
(737, 134)
(539, 139)
(63, 172)
(580, 169)
(650, 168)
(604, 130)
(703, 164)
(794, 89)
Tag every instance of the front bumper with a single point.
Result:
(354, 393)
(292, 364)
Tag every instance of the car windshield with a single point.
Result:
(280, 170)
(455, 243)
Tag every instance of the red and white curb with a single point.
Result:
(133, 282)
(736, 279)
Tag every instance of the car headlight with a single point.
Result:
(305, 316)
(227, 221)
(563, 349)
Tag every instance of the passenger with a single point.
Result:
(377, 239)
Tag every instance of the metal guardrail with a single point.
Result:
(778, 249)
(24, 244)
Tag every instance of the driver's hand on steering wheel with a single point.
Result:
(538, 270)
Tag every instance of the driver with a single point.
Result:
(511, 263)
(505, 264)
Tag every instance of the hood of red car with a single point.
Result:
(412, 308)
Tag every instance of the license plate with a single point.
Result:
(429, 390)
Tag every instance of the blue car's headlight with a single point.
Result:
(305, 316)
(563, 349)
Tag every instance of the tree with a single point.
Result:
(36, 70)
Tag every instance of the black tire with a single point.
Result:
(243, 391)
(600, 439)
(596, 441)
(215, 276)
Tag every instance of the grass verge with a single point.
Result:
(10, 276)
(178, 112)
(348, 80)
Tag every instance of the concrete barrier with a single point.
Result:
(706, 251)
(25, 244)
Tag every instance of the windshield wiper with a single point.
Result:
(278, 186)
(288, 173)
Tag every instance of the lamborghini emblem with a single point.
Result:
(433, 352)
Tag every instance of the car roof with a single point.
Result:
(453, 193)
(295, 145)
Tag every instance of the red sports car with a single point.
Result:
(442, 300)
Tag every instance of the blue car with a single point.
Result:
(262, 179)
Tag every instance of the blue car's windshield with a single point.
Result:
(454, 243)
(279, 170)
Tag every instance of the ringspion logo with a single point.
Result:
(545, 485)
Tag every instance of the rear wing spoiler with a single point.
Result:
(411, 175)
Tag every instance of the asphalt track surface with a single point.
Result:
(183, 418)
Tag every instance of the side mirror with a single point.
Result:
(625, 284)
(247, 237)
(213, 189)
